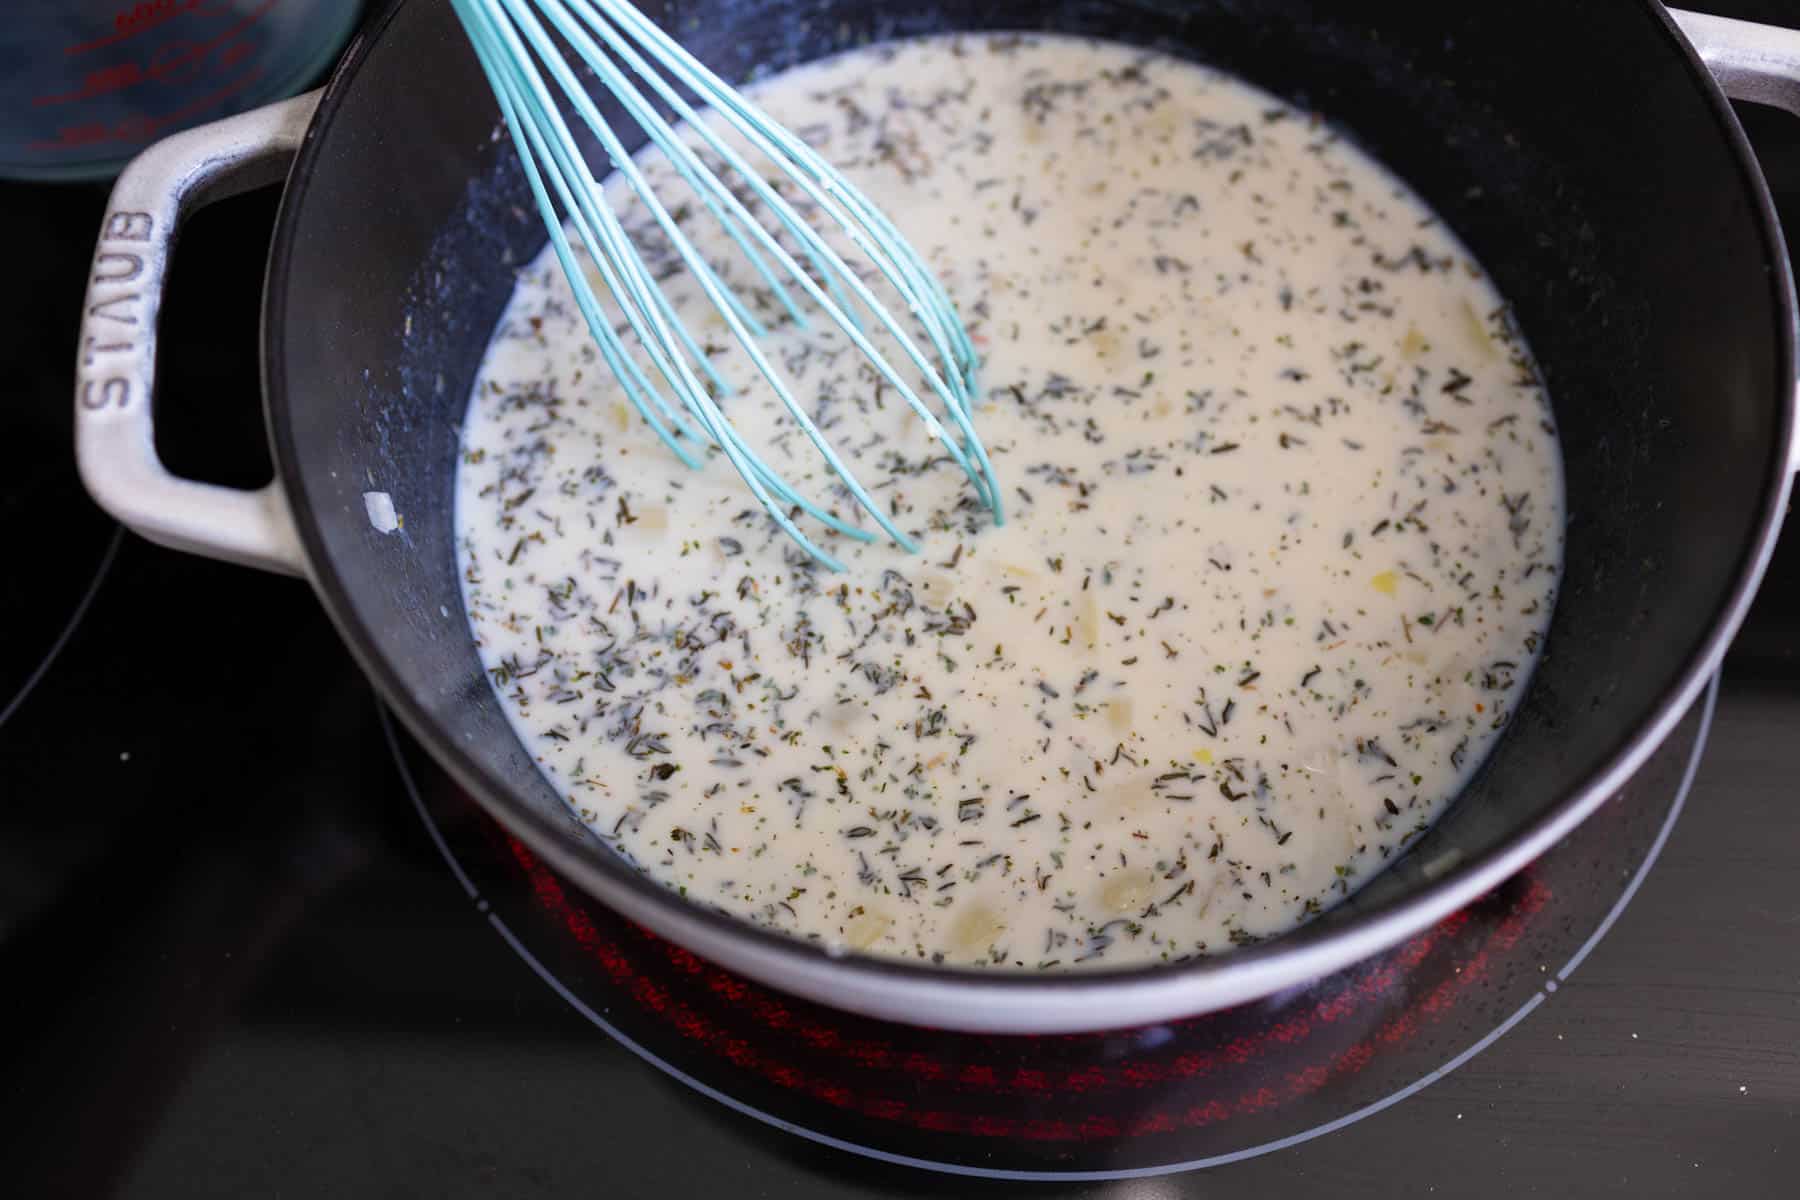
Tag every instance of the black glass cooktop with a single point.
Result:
(253, 943)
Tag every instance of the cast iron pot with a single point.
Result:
(1583, 152)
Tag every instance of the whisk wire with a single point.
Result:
(702, 79)
(678, 153)
(637, 386)
(612, 350)
(499, 31)
(646, 307)
(637, 293)
(703, 274)
(903, 268)
(665, 137)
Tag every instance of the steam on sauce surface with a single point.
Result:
(1283, 534)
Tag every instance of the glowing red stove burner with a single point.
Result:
(877, 1065)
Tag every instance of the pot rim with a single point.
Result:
(978, 1001)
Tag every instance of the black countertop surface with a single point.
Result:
(234, 963)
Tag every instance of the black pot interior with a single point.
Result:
(1569, 145)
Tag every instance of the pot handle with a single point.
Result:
(115, 374)
(1757, 63)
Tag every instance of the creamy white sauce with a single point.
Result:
(1284, 527)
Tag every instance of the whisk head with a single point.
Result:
(517, 43)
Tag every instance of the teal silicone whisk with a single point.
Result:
(516, 42)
